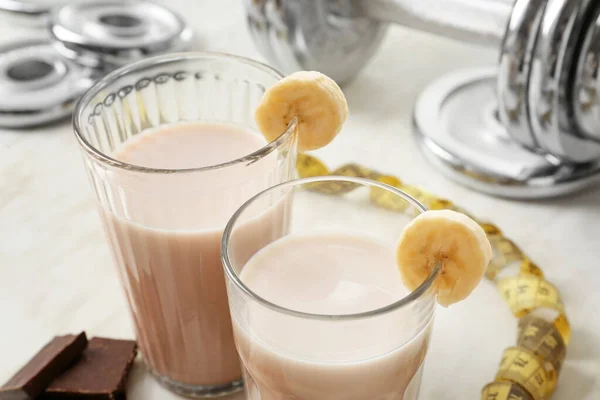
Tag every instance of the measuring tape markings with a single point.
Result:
(544, 339)
(523, 367)
(504, 391)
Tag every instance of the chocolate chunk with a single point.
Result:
(100, 373)
(47, 364)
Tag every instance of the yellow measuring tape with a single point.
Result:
(528, 371)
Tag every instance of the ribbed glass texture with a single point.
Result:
(289, 355)
(161, 223)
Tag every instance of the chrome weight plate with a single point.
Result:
(513, 71)
(37, 85)
(457, 128)
(586, 91)
(111, 34)
(550, 107)
(334, 37)
(29, 12)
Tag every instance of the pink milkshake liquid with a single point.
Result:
(321, 313)
(172, 153)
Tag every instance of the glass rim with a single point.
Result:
(233, 276)
(85, 100)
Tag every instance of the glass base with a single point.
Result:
(197, 391)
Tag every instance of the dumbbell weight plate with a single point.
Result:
(29, 12)
(549, 102)
(586, 91)
(514, 68)
(37, 85)
(111, 34)
(334, 37)
(458, 131)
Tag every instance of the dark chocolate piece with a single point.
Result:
(100, 373)
(47, 364)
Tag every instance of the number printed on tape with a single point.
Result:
(524, 293)
(504, 391)
(521, 366)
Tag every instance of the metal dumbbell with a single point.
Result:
(338, 37)
(526, 129)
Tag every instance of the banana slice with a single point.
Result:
(314, 99)
(450, 239)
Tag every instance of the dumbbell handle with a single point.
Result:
(480, 22)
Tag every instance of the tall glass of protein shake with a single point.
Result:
(172, 150)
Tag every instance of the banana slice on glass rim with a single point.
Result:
(314, 99)
(450, 240)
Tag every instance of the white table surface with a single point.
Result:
(56, 275)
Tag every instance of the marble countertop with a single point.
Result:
(56, 274)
